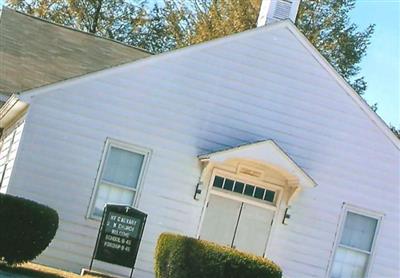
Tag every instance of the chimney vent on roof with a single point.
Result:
(276, 10)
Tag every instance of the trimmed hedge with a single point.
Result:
(26, 229)
(182, 257)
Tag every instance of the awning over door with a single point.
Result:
(266, 153)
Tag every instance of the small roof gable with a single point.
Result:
(35, 52)
(268, 152)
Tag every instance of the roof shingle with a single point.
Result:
(36, 52)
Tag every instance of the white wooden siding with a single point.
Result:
(264, 85)
(9, 143)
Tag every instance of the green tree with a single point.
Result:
(218, 18)
(395, 130)
(115, 19)
(327, 25)
(167, 27)
(178, 23)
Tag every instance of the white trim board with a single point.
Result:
(11, 110)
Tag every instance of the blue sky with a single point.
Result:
(381, 65)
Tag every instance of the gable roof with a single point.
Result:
(35, 52)
(376, 120)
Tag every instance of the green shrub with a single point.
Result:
(183, 257)
(26, 229)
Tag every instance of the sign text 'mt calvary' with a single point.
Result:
(120, 235)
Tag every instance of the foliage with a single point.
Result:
(165, 28)
(181, 257)
(114, 19)
(395, 131)
(178, 23)
(326, 24)
(27, 228)
(219, 18)
(374, 107)
(154, 34)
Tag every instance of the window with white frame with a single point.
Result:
(120, 176)
(245, 189)
(9, 143)
(355, 245)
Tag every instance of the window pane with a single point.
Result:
(249, 190)
(259, 193)
(228, 185)
(269, 196)
(239, 186)
(349, 264)
(359, 231)
(123, 167)
(111, 194)
(218, 182)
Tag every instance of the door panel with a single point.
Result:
(253, 229)
(220, 220)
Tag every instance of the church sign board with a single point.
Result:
(119, 235)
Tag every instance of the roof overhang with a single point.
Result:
(268, 153)
(4, 96)
(12, 109)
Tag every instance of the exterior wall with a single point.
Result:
(9, 143)
(259, 85)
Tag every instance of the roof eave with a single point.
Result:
(376, 119)
(12, 109)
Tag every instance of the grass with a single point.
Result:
(37, 270)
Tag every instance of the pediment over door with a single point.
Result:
(263, 160)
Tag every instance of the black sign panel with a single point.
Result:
(120, 235)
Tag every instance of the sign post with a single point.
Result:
(119, 236)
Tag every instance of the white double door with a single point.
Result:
(237, 224)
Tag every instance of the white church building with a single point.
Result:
(252, 141)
